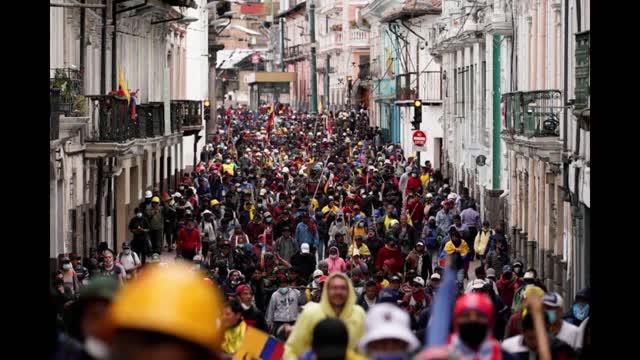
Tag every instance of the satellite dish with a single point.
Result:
(481, 160)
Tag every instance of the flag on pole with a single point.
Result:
(271, 114)
(123, 85)
(329, 126)
(442, 308)
(259, 345)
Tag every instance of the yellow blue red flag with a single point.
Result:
(259, 345)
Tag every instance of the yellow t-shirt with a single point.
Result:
(326, 209)
(233, 338)
(228, 168)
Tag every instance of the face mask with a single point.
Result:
(551, 314)
(473, 333)
(361, 225)
(269, 220)
(196, 266)
(66, 267)
(235, 282)
(333, 256)
(283, 290)
(580, 311)
(139, 215)
(127, 251)
(339, 220)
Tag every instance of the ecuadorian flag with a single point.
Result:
(259, 345)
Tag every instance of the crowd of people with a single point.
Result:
(318, 232)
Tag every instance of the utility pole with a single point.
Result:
(314, 79)
(418, 90)
(282, 67)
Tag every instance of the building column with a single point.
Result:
(120, 208)
(149, 171)
(157, 178)
(165, 170)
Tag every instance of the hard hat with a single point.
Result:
(148, 194)
(196, 314)
(285, 170)
(155, 199)
(214, 202)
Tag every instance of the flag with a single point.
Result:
(271, 113)
(259, 345)
(329, 126)
(123, 85)
(438, 328)
(329, 183)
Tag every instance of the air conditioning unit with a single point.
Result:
(252, 40)
(269, 18)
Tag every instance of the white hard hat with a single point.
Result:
(285, 170)
(148, 194)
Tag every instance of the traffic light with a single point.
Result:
(207, 110)
(417, 114)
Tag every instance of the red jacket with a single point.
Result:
(188, 240)
(254, 230)
(384, 254)
(506, 289)
(414, 183)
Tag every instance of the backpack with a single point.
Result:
(135, 263)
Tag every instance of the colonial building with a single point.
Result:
(107, 151)
(403, 70)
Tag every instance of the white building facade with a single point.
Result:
(104, 158)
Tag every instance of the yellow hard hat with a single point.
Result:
(359, 143)
(155, 199)
(215, 202)
(171, 300)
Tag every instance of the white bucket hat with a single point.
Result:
(397, 325)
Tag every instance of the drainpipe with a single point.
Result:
(565, 161)
(496, 112)
(82, 41)
(114, 53)
(282, 64)
(312, 39)
(103, 52)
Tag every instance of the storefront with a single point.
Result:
(268, 87)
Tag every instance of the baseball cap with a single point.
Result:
(507, 268)
(552, 299)
(420, 243)
(304, 248)
(317, 273)
(435, 276)
(528, 275)
(394, 278)
(491, 273)
(397, 327)
(263, 192)
(418, 280)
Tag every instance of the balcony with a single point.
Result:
(532, 113)
(186, 116)
(331, 41)
(405, 88)
(54, 114)
(295, 52)
(358, 38)
(68, 83)
(113, 120)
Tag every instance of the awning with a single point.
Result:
(228, 59)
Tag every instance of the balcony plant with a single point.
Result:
(336, 27)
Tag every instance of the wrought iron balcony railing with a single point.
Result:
(115, 121)
(533, 113)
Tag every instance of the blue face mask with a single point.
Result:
(551, 314)
(283, 290)
(580, 311)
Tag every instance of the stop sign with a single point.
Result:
(419, 138)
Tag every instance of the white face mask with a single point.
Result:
(333, 256)
(127, 251)
(66, 267)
